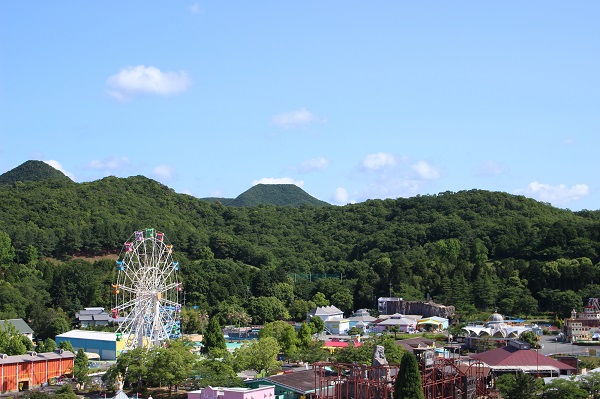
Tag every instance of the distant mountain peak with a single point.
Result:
(32, 171)
(272, 194)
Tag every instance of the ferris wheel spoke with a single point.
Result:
(125, 305)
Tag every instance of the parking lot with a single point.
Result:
(550, 347)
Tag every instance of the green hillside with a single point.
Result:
(276, 194)
(271, 194)
(32, 171)
(477, 250)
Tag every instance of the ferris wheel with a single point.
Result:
(146, 293)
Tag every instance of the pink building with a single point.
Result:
(263, 392)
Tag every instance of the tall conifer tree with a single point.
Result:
(408, 381)
(214, 337)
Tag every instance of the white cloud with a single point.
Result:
(318, 163)
(378, 161)
(195, 8)
(295, 118)
(113, 163)
(56, 165)
(556, 195)
(425, 170)
(164, 171)
(278, 180)
(140, 79)
(340, 197)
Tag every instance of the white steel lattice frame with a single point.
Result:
(147, 291)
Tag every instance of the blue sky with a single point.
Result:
(348, 100)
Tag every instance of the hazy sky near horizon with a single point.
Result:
(348, 100)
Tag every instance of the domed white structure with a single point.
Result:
(496, 327)
(496, 318)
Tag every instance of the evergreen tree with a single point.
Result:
(408, 381)
(304, 336)
(81, 367)
(66, 345)
(214, 337)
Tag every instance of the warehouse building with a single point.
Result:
(24, 372)
(105, 344)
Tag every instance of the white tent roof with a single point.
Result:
(120, 395)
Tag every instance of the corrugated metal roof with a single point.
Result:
(38, 357)
(83, 334)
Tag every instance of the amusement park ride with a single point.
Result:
(146, 293)
(147, 309)
(442, 378)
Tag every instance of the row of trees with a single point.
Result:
(176, 363)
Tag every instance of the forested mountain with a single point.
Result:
(32, 171)
(477, 250)
(271, 194)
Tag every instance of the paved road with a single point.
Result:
(551, 347)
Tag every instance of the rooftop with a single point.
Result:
(58, 354)
(417, 342)
(19, 324)
(512, 358)
(85, 334)
(302, 381)
(325, 310)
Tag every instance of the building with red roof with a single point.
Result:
(517, 356)
(336, 343)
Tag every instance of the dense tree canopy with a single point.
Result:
(476, 250)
